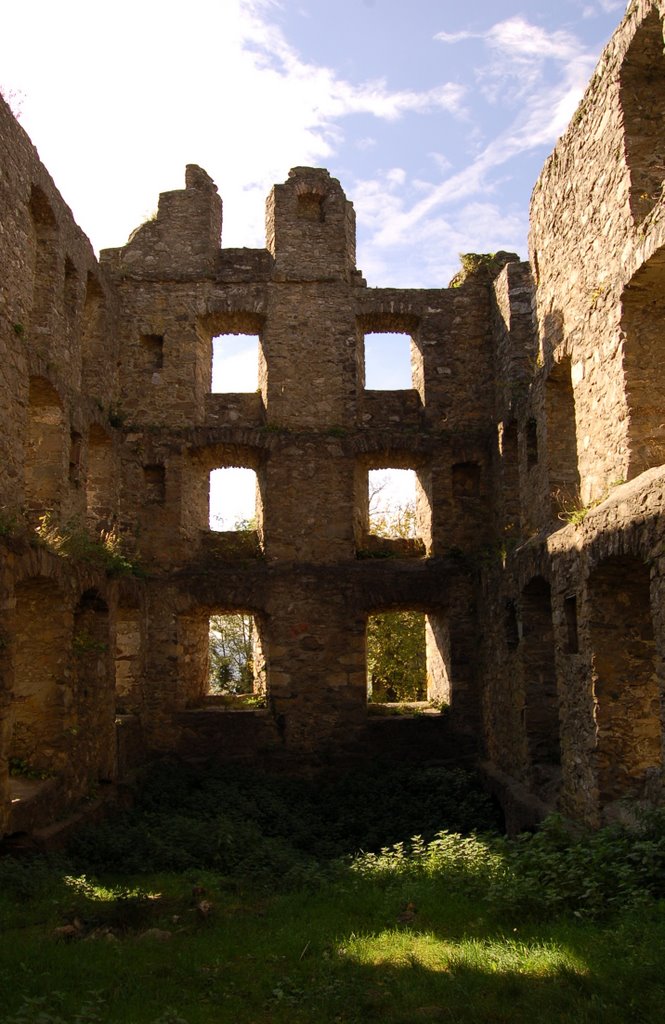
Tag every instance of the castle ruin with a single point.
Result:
(535, 424)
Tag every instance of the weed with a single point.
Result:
(71, 540)
(19, 330)
(84, 643)
(19, 768)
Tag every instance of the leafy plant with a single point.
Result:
(71, 540)
(20, 768)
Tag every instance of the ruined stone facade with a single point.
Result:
(535, 425)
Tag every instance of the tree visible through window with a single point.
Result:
(231, 654)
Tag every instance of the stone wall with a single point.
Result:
(533, 423)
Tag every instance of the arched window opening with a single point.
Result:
(564, 477)
(625, 678)
(45, 462)
(236, 663)
(541, 703)
(233, 499)
(310, 206)
(235, 363)
(642, 98)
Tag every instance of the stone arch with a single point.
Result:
(46, 461)
(642, 98)
(541, 704)
(625, 680)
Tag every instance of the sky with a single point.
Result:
(435, 115)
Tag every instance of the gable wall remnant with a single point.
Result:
(534, 425)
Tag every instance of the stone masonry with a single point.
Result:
(535, 425)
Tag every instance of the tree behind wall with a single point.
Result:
(231, 654)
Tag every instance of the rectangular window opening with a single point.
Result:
(396, 658)
(153, 351)
(154, 478)
(236, 665)
(391, 498)
(235, 363)
(388, 361)
(233, 492)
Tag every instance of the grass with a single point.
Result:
(449, 929)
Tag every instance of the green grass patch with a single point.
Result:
(287, 905)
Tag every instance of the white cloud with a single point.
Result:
(456, 37)
(519, 52)
(221, 87)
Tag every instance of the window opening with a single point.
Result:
(153, 351)
(466, 480)
(235, 660)
(235, 363)
(388, 361)
(310, 206)
(564, 478)
(391, 497)
(155, 484)
(233, 499)
(396, 657)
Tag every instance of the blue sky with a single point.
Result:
(435, 115)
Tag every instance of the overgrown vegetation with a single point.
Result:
(71, 540)
(271, 913)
